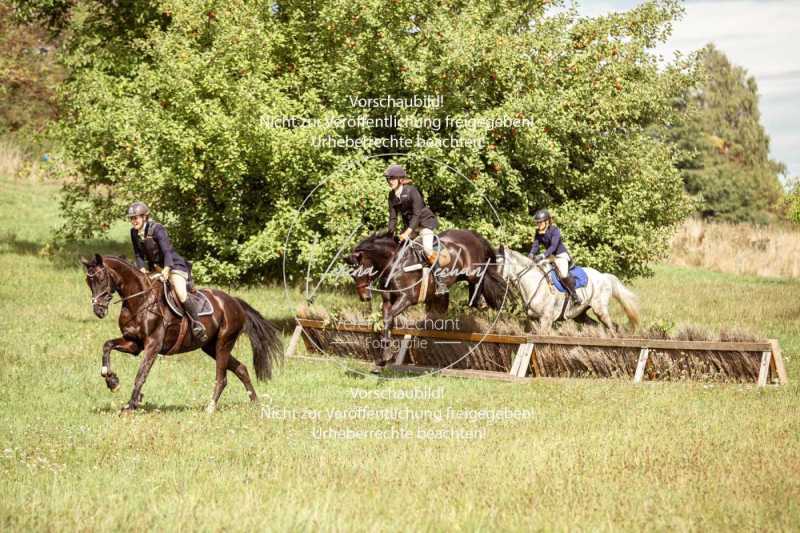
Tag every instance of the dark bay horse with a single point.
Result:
(148, 325)
(381, 263)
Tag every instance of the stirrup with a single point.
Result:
(441, 288)
(199, 331)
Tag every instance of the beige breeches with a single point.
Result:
(178, 278)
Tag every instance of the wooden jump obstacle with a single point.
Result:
(515, 357)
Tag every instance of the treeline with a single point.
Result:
(724, 151)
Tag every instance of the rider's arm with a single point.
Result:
(417, 204)
(555, 240)
(534, 248)
(161, 237)
(392, 216)
(137, 250)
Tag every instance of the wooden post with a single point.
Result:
(401, 355)
(763, 372)
(644, 353)
(777, 362)
(536, 370)
(522, 360)
(298, 330)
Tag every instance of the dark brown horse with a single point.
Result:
(381, 263)
(148, 325)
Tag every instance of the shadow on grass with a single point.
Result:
(64, 255)
(153, 408)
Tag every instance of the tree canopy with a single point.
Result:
(175, 103)
(726, 163)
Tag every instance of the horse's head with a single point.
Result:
(368, 260)
(101, 282)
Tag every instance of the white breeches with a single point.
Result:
(427, 240)
(562, 264)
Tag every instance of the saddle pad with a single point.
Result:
(581, 279)
(199, 296)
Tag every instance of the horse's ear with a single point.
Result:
(98, 259)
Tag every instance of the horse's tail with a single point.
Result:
(628, 300)
(493, 287)
(264, 339)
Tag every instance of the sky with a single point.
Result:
(763, 36)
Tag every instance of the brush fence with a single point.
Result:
(515, 357)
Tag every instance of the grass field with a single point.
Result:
(582, 454)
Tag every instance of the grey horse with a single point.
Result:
(543, 302)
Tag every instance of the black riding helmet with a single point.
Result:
(541, 215)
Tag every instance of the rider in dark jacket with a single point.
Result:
(549, 236)
(153, 249)
(406, 200)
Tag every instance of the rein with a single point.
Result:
(518, 277)
(148, 289)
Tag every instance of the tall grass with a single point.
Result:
(770, 251)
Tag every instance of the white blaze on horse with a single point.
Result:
(544, 302)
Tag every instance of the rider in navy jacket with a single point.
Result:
(152, 248)
(549, 236)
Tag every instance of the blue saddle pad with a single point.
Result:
(581, 279)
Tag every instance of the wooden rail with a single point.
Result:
(771, 357)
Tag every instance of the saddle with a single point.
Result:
(439, 249)
(577, 273)
(199, 297)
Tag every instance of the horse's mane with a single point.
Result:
(517, 255)
(122, 260)
(375, 241)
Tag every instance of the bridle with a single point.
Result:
(516, 278)
(107, 294)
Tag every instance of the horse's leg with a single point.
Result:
(120, 344)
(437, 306)
(585, 319)
(599, 304)
(605, 319)
(151, 347)
(390, 312)
(223, 357)
(241, 372)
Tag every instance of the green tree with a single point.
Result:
(171, 102)
(726, 162)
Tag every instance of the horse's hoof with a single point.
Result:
(126, 410)
(377, 370)
(211, 407)
(112, 382)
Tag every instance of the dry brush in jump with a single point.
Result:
(505, 354)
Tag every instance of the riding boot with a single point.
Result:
(441, 285)
(198, 329)
(569, 284)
